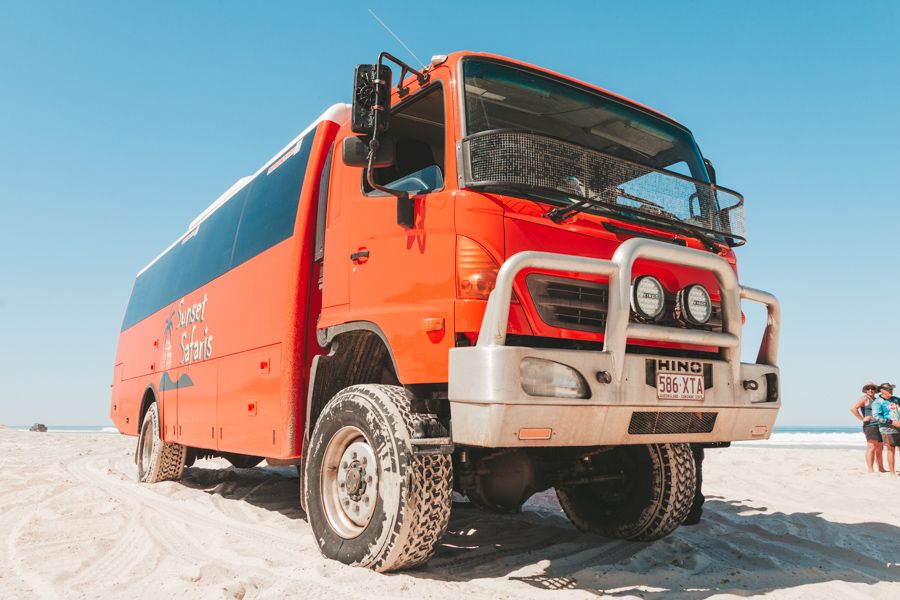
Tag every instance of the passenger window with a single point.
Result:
(201, 256)
(271, 206)
(418, 128)
(206, 254)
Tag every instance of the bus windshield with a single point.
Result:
(502, 96)
(562, 143)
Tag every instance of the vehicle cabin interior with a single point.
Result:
(418, 128)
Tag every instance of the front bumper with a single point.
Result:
(489, 407)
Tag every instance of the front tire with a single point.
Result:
(652, 501)
(370, 500)
(156, 460)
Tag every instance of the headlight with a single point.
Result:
(694, 305)
(648, 299)
(548, 378)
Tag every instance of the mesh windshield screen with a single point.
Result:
(525, 160)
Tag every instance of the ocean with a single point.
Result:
(782, 437)
(73, 428)
(812, 437)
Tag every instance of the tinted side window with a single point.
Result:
(259, 216)
(207, 254)
(198, 259)
(151, 289)
(271, 206)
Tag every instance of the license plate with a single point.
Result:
(679, 386)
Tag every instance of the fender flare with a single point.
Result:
(316, 387)
(326, 336)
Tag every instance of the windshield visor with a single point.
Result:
(541, 135)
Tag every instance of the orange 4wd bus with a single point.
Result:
(490, 279)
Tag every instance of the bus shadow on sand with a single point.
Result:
(276, 489)
(737, 548)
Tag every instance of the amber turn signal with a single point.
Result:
(476, 271)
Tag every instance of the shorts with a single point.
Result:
(872, 434)
(892, 438)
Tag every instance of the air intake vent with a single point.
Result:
(569, 303)
(646, 423)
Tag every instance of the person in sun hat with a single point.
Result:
(862, 410)
(886, 413)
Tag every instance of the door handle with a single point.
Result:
(360, 256)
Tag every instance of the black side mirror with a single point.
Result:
(371, 99)
(710, 170)
(355, 152)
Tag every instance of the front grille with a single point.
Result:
(569, 303)
(646, 423)
(581, 305)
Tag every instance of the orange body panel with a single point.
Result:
(216, 359)
(233, 373)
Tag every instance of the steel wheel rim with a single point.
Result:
(349, 482)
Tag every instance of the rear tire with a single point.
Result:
(653, 501)
(156, 460)
(386, 512)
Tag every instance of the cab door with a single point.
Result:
(402, 278)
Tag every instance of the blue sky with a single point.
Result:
(119, 122)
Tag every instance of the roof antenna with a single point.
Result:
(383, 24)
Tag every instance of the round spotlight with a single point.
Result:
(648, 299)
(694, 305)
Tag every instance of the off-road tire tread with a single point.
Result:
(671, 509)
(167, 460)
(678, 495)
(172, 459)
(431, 488)
(419, 515)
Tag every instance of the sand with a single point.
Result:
(785, 523)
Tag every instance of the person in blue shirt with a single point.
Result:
(886, 413)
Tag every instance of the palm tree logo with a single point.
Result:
(166, 358)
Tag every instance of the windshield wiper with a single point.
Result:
(561, 213)
(708, 241)
(664, 220)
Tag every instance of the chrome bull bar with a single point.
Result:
(618, 327)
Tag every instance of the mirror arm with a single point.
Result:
(421, 77)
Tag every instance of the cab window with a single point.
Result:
(418, 127)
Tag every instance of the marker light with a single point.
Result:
(694, 305)
(476, 271)
(648, 299)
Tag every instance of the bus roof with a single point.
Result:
(337, 113)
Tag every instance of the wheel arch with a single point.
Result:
(150, 396)
(358, 353)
